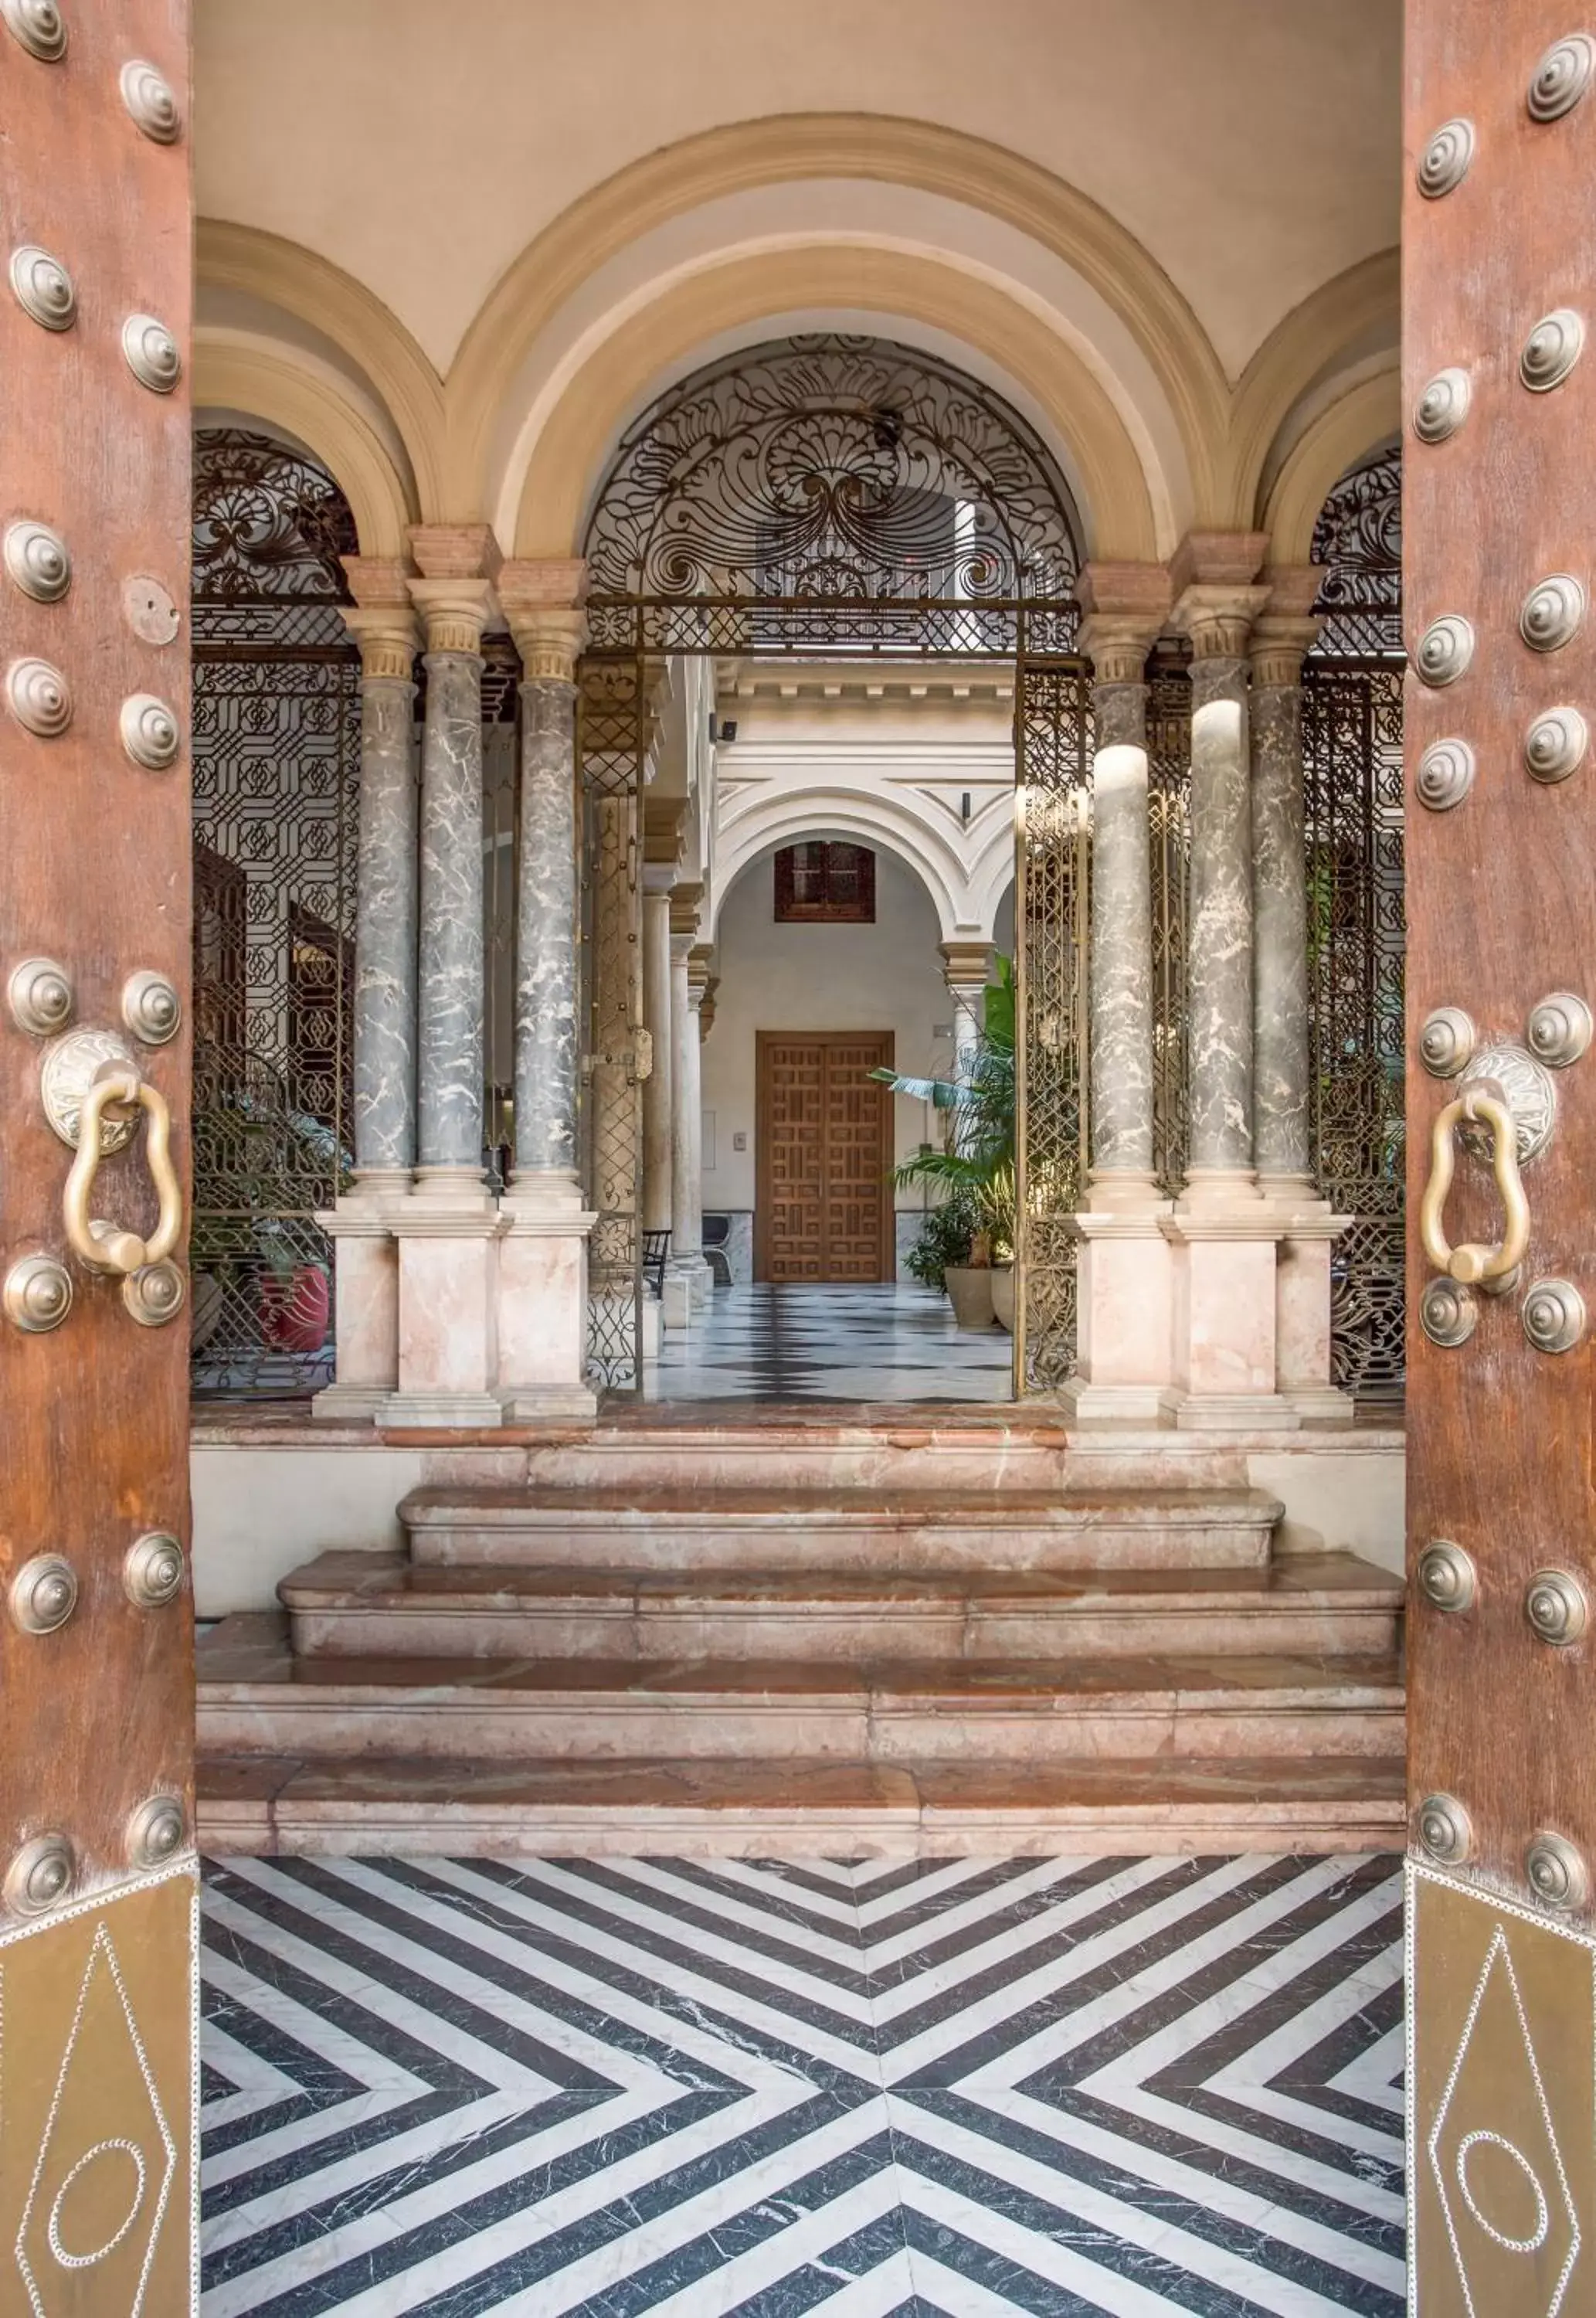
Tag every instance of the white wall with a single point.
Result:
(887, 976)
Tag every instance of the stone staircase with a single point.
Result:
(955, 1633)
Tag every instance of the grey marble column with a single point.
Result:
(386, 898)
(1282, 1148)
(1219, 917)
(1121, 964)
(657, 1086)
(449, 1010)
(546, 1044)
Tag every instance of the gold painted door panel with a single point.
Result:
(97, 1874)
(1500, 555)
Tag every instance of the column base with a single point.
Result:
(349, 1402)
(1320, 1404)
(365, 1299)
(543, 1301)
(1220, 1412)
(1124, 1306)
(1223, 1338)
(1118, 1404)
(441, 1410)
(550, 1404)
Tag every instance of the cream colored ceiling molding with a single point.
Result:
(1366, 415)
(1339, 318)
(786, 147)
(233, 372)
(286, 275)
(1118, 505)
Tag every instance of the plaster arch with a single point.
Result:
(1362, 420)
(1119, 505)
(882, 149)
(752, 834)
(236, 374)
(1330, 331)
(286, 275)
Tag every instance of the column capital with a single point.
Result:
(700, 973)
(1217, 617)
(456, 611)
(1118, 645)
(541, 600)
(966, 964)
(1286, 628)
(686, 901)
(388, 636)
(454, 550)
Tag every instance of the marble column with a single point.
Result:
(689, 1276)
(543, 1260)
(1223, 1233)
(366, 1266)
(448, 1228)
(1124, 1290)
(657, 1086)
(1282, 1123)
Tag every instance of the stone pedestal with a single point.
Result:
(1124, 1318)
(448, 1304)
(542, 1306)
(1223, 1328)
(1303, 1363)
(366, 1296)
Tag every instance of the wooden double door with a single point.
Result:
(823, 1208)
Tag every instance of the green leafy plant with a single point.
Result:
(945, 1239)
(975, 1169)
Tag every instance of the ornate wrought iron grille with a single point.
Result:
(1352, 762)
(1358, 539)
(1053, 745)
(276, 762)
(1169, 816)
(830, 494)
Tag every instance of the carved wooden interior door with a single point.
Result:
(97, 1926)
(1499, 517)
(823, 1210)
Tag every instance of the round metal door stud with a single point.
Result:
(1446, 1041)
(156, 1832)
(37, 560)
(149, 732)
(154, 1295)
(1444, 1829)
(1442, 408)
(36, 1294)
(148, 95)
(37, 26)
(1445, 775)
(1554, 745)
(43, 1594)
(1443, 165)
(151, 1008)
(1559, 1029)
(1553, 1315)
(1556, 1605)
(43, 287)
(1551, 350)
(1448, 1578)
(1447, 1314)
(40, 1875)
(1556, 1871)
(40, 697)
(1561, 77)
(1551, 612)
(152, 1570)
(151, 353)
(39, 994)
(1445, 651)
(149, 609)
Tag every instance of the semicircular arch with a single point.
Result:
(1121, 514)
(1369, 414)
(1328, 331)
(758, 830)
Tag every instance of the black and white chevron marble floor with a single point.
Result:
(692, 2088)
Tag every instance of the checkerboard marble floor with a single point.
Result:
(678, 2088)
(887, 1344)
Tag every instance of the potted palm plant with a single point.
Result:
(973, 1170)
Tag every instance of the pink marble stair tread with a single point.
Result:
(883, 1504)
(407, 1803)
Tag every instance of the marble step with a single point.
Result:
(255, 1697)
(672, 1529)
(352, 1604)
(766, 1809)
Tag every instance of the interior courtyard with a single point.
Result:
(796, 1282)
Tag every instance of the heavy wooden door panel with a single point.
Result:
(823, 1207)
(1500, 516)
(99, 1890)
